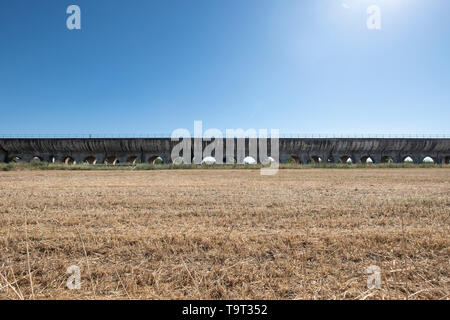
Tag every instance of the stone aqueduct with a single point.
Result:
(301, 150)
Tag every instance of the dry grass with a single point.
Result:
(225, 234)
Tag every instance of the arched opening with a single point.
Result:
(387, 159)
(15, 159)
(209, 161)
(293, 159)
(367, 160)
(408, 159)
(447, 160)
(428, 160)
(155, 160)
(249, 160)
(315, 160)
(346, 160)
(178, 161)
(90, 160)
(132, 159)
(267, 161)
(111, 160)
(36, 159)
(68, 160)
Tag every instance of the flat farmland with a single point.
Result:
(225, 234)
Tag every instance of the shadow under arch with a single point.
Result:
(90, 160)
(111, 160)
(15, 159)
(315, 160)
(387, 159)
(294, 159)
(155, 160)
(132, 159)
(68, 160)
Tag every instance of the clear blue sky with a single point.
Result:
(150, 66)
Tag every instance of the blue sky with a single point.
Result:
(148, 66)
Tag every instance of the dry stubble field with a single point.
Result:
(225, 234)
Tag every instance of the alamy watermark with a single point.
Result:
(374, 277)
(373, 280)
(73, 22)
(374, 20)
(190, 147)
(74, 280)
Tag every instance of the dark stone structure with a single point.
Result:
(145, 150)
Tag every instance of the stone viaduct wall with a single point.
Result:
(123, 150)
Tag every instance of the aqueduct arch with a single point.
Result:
(249, 160)
(367, 159)
(428, 159)
(69, 160)
(132, 159)
(15, 159)
(90, 160)
(111, 160)
(346, 159)
(387, 159)
(294, 159)
(316, 159)
(155, 160)
(36, 159)
(209, 160)
(408, 159)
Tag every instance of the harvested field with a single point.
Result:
(225, 234)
